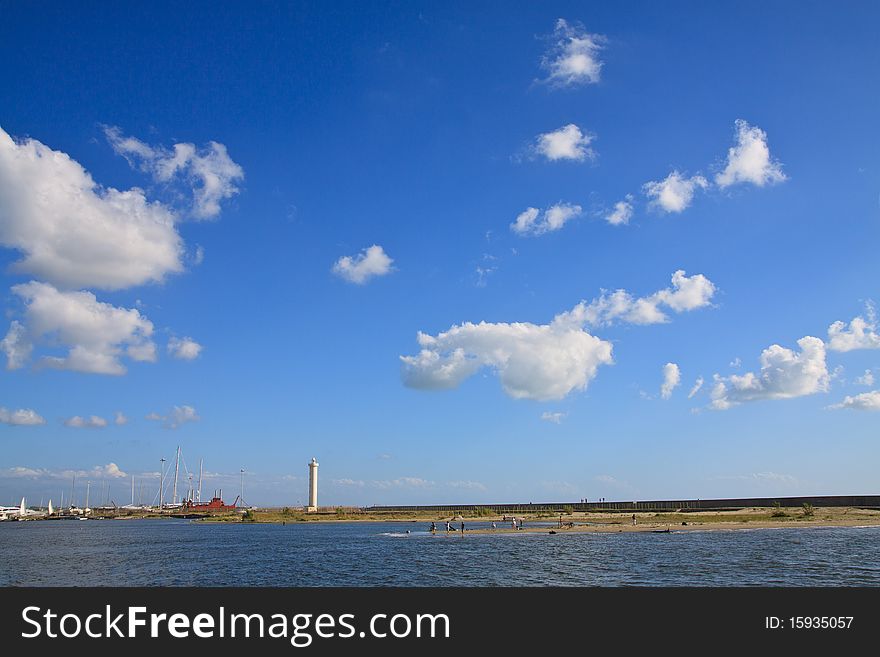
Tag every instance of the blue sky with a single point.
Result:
(255, 151)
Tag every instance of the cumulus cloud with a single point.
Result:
(573, 58)
(697, 385)
(359, 269)
(749, 161)
(860, 334)
(467, 485)
(784, 374)
(867, 401)
(675, 192)
(109, 471)
(210, 171)
(74, 233)
(867, 379)
(347, 482)
(120, 419)
(671, 379)
(544, 361)
(530, 222)
(622, 212)
(178, 416)
(91, 422)
(686, 293)
(555, 418)
(96, 335)
(403, 482)
(184, 348)
(22, 417)
(532, 361)
(566, 143)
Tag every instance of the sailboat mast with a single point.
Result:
(200, 480)
(132, 490)
(88, 485)
(176, 473)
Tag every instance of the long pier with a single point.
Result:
(865, 501)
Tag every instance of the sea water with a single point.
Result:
(185, 553)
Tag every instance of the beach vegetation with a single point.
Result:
(777, 511)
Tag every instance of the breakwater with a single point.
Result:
(865, 501)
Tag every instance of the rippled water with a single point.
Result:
(183, 553)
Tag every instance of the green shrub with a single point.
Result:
(807, 510)
(777, 511)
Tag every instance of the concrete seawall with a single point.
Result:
(869, 501)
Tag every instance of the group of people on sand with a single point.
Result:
(450, 528)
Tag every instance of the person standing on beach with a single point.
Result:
(433, 528)
(447, 526)
(634, 520)
(462, 527)
(493, 525)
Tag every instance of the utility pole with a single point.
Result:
(161, 483)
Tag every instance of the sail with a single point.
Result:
(51, 510)
(21, 509)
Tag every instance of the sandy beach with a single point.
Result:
(589, 522)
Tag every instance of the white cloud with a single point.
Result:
(210, 171)
(120, 419)
(544, 361)
(184, 348)
(403, 482)
(749, 160)
(697, 385)
(675, 192)
(574, 57)
(622, 212)
(97, 335)
(867, 401)
(554, 218)
(467, 485)
(671, 379)
(532, 361)
(75, 233)
(555, 418)
(347, 482)
(20, 418)
(763, 477)
(178, 416)
(784, 374)
(686, 294)
(867, 379)
(566, 143)
(16, 345)
(109, 471)
(91, 422)
(861, 333)
(359, 269)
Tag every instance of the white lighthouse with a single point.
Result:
(313, 486)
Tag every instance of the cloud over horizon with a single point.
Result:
(784, 374)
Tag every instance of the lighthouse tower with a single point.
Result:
(313, 486)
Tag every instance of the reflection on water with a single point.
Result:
(182, 553)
